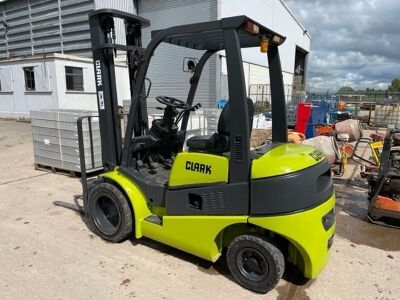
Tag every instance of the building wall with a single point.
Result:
(274, 15)
(50, 82)
(166, 65)
(38, 28)
(46, 26)
(256, 79)
(15, 100)
(87, 100)
(52, 26)
(165, 69)
(122, 5)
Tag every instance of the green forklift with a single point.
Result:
(263, 207)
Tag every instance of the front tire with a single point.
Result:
(255, 263)
(110, 213)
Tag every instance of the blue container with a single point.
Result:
(311, 131)
(222, 102)
(319, 111)
(319, 114)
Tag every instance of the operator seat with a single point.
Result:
(218, 142)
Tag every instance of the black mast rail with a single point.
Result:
(102, 30)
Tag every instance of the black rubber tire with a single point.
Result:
(108, 193)
(271, 256)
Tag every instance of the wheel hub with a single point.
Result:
(252, 264)
(106, 215)
(110, 211)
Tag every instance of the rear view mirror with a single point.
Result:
(189, 64)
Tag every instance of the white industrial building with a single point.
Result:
(45, 52)
(52, 81)
(166, 67)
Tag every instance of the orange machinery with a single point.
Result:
(384, 195)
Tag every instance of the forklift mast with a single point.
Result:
(103, 35)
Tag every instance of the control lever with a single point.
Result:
(191, 108)
(196, 107)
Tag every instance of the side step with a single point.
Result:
(154, 219)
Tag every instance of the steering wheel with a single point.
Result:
(172, 102)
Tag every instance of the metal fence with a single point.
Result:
(262, 92)
(379, 97)
(261, 95)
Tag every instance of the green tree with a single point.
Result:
(346, 89)
(395, 85)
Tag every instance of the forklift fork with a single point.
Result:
(82, 209)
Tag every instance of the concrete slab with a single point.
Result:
(48, 252)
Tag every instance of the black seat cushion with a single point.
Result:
(215, 143)
(219, 141)
(224, 119)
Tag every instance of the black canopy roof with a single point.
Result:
(210, 35)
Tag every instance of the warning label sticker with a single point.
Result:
(100, 97)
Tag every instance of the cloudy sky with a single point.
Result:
(353, 42)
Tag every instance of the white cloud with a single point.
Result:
(353, 42)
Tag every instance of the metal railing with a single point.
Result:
(379, 97)
(261, 96)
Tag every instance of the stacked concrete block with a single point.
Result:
(55, 139)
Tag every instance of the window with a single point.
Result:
(74, 78)
(29, 79)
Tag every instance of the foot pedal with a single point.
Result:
(154, 219)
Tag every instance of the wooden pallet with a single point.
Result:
(52, 169)
(73, 174)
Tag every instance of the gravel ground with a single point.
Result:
(47, 252)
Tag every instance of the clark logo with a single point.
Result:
(99, 78)
(197, 167)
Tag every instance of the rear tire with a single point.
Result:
(110, 213)
(255, 263)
